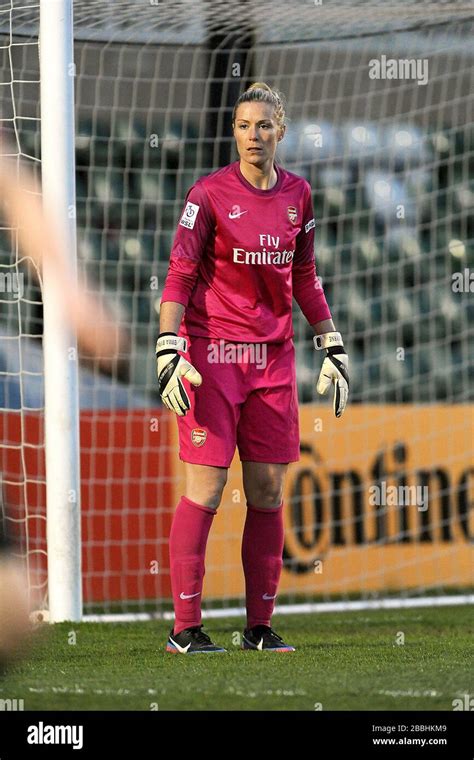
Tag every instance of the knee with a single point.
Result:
(212, 497)
(207, 491)
(266, 493)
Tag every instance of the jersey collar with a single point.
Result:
(256, 190)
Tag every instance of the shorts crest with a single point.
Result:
(198, 436)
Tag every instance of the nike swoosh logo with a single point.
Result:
(266, 597)
(236, 216)
(181, 650)
(188, 596)
(260, 645)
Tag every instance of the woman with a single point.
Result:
(244, 246)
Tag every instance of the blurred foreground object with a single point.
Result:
(98, 334)
(14, 607)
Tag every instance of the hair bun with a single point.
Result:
(260, 86)
(262, 92)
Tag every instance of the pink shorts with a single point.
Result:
(248, 397)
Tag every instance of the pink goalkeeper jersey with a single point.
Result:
(240, 254)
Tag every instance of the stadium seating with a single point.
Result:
(385, 277)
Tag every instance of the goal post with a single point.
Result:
(62, 445)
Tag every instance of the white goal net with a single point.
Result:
(380, 121)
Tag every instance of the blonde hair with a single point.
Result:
(263, 93)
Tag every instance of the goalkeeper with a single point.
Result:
(244, 247)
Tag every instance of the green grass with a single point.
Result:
(344, 661)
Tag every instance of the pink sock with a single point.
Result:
(187, 543)
(262, 549)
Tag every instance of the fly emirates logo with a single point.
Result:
(269, 253)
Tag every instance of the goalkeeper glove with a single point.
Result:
(335, 369)
(171, 367)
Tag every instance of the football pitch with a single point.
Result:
(410, 659)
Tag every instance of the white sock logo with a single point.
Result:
(188, 596)
(267, 597)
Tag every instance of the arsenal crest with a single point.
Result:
(292, 214)
(198, 436)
